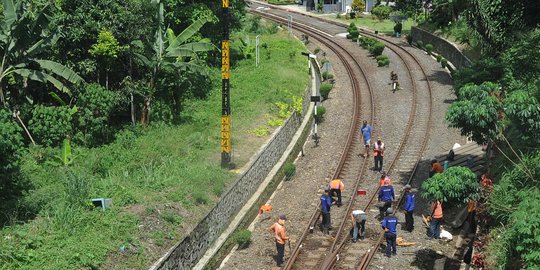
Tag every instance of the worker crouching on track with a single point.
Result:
(326, 204)
(386, 196)
(389, 225)
(278, 229)
(336, 186)
(378, 154)
(358, 218)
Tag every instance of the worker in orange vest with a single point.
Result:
(436, 219)
(278, 229)
(378, 154)
(385, 180)
(336, 186)
(436, 167)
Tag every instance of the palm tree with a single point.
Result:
(23, 35)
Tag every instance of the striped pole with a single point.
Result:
(226, 146)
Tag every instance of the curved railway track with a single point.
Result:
(314, 251)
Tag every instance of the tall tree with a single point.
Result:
(23, 35)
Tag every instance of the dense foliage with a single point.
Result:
(455, 185)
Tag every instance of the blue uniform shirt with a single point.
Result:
(326, 203)
(366, 132)
(390, 223)
(386, 194)
(409, 202)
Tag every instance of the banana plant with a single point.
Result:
(23, 35)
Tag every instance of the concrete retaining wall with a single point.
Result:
(441, 46)
(188, 251)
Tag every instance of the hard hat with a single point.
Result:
(283, 217)
(407, 186)
(389, 210)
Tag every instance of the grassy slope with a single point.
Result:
(162, 179)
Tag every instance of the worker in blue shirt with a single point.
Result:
(326, 204)
(389, 225)
(366, 131)
(386, 196)
(409, 208)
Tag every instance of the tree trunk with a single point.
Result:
(2, 98)
(16, 115)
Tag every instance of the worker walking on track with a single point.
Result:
(436, 219)
(386, 196)
(366, 131)
(326, 204)
(336, 186)
(436, 167)
(409, 208)
(358, 218)
(278, 229)
(378, 154)
(389, 225)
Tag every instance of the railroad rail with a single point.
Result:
(419, 138)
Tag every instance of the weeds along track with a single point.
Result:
(315, 250)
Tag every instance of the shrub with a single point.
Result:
(455, 185)
(327, 75)
(381, 12)
(338, 16)
(420, 44)
(242, 238)
(289, 169)
(439, 57)
(325, 90)
(353, 32)
(51, 124)
(171, 217)
(382, 60)
(444, 62)
(409, 39)
(377, 49)
(429, 48)
(320, 114)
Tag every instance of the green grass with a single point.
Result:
(161, 179)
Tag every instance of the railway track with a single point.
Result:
(317, 251)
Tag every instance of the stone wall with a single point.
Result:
(187, 252)
(441, 46)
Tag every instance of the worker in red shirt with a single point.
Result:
(436, 167)
(278, 229)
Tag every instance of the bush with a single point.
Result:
(381, 12)
(444, 62)
(289, 169)
(353, 32)
(377, 49)
(325, 90)
(420, 44)
(439, 57)
(242, 238)
(382, 60)
(429, 48)
(327, 75)
(51, 124)
(409, 39)
(455, 185)
(320, 114)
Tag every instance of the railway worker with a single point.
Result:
(436, 219)
(436, 167)
(394, 81)
(336, 186)
(389, 225)
(326, 204)
(386, 196)
(358, 218)
(409, 208)
(385, 180)
(366, 131)
(378, 154)
(278, 229)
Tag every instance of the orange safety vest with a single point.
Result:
(279, 232)
(378, 148)
(386, 180)
(265, 208)
(436, 208)
(471, 206)
(437, 167)
(337, 184)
